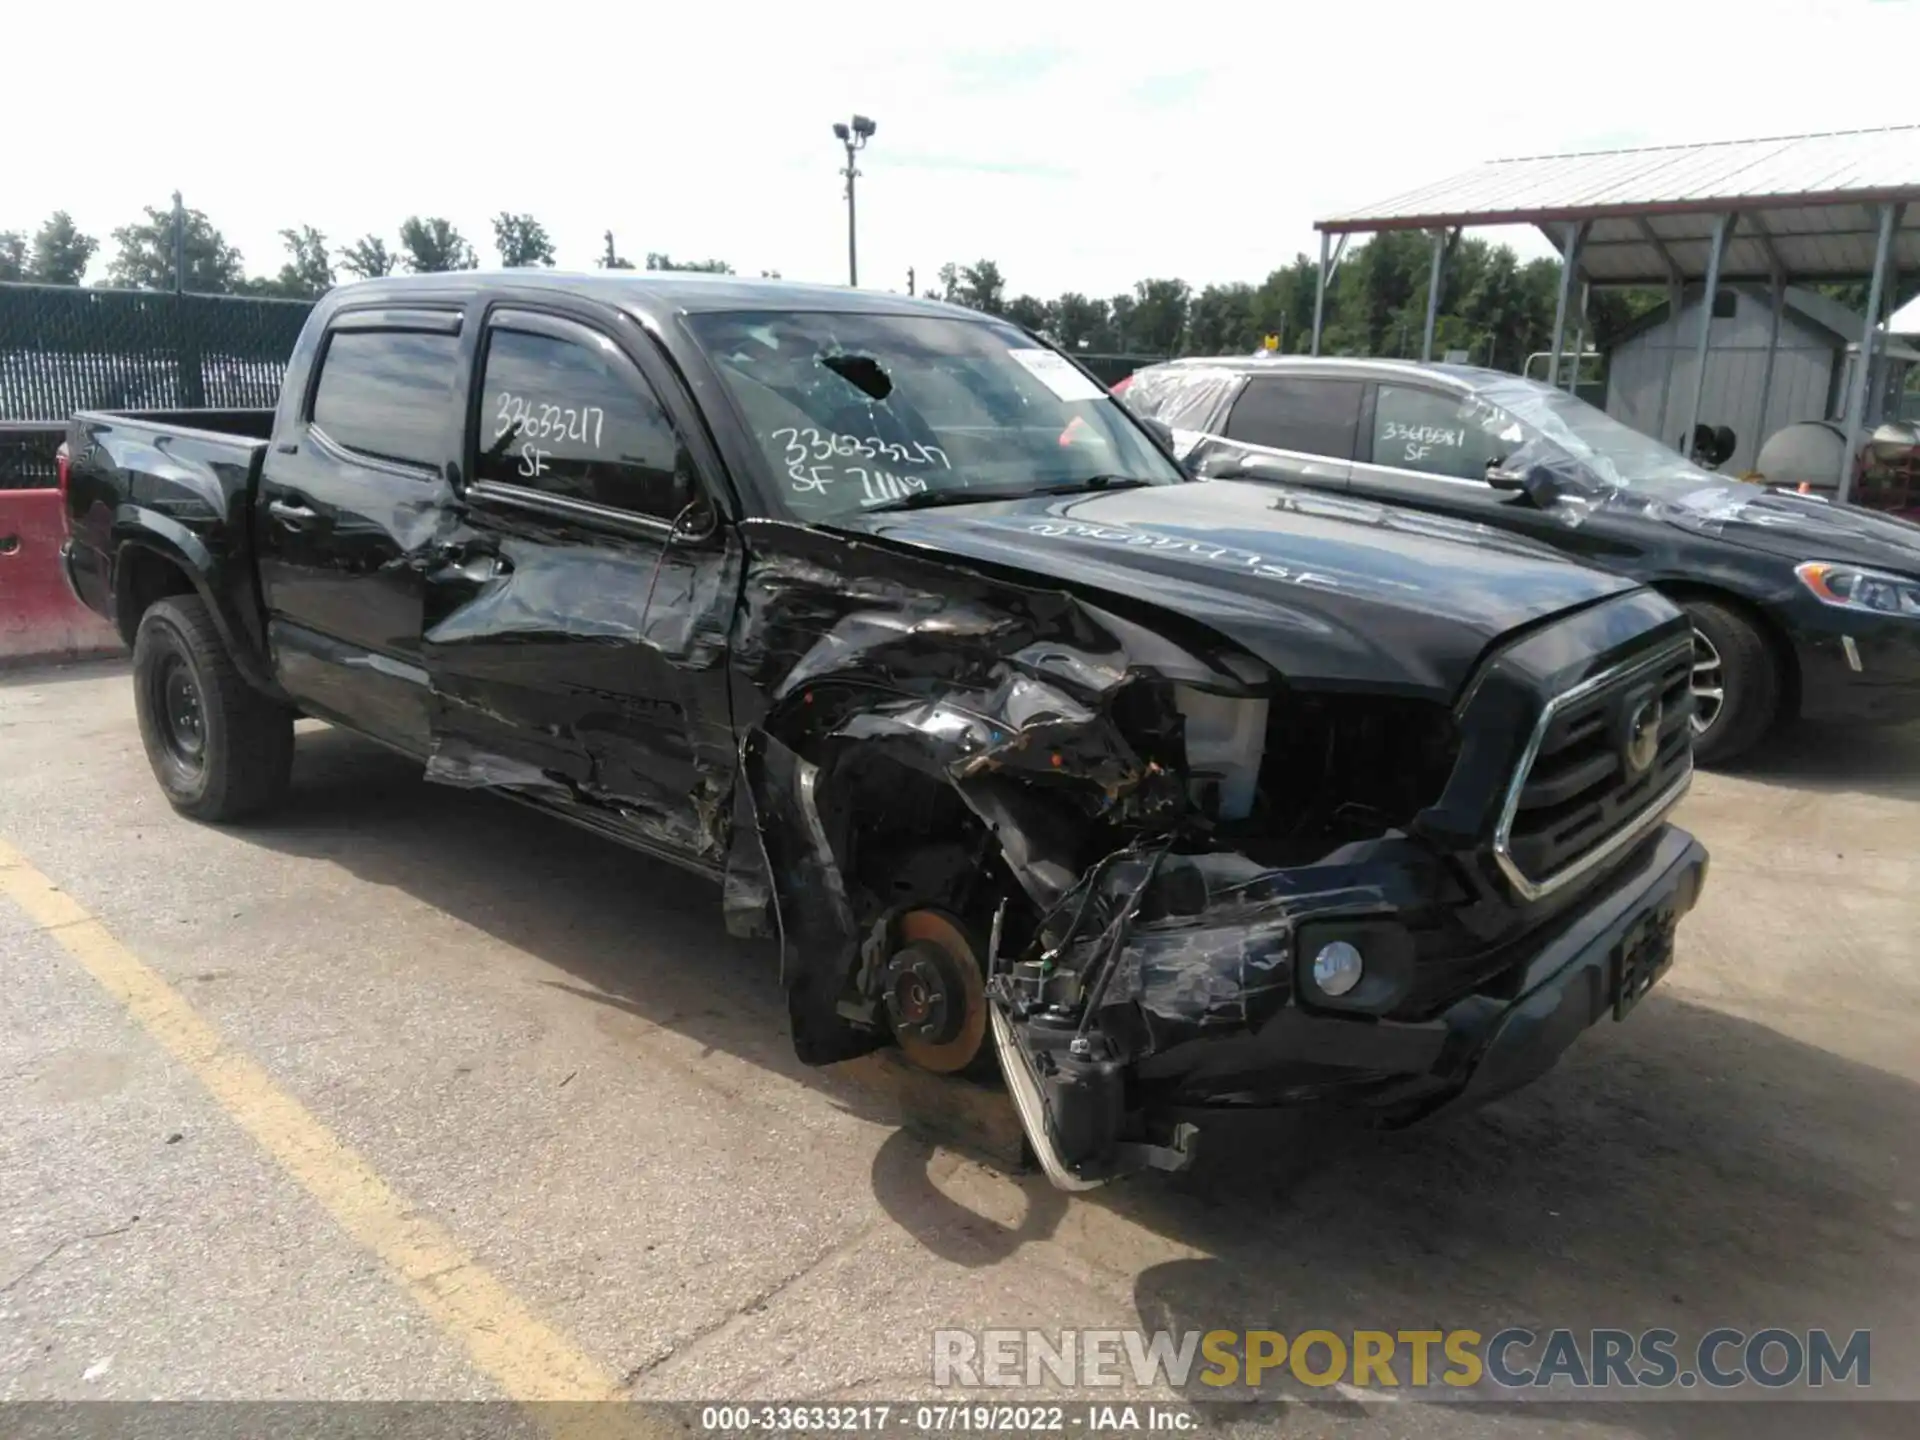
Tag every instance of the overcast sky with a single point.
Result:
(1081, 146)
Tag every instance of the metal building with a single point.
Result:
(1817, 342)
(1844, 206)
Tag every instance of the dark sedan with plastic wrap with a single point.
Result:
(1801, 607)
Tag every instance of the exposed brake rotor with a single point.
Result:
(935, 994)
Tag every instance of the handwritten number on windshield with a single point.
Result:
(802, 445)
(881, 485)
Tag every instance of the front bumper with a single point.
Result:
(1494, 1040)
(1600, 965)
(1595, 958)
(1857, 668)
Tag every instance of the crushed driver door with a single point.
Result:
(577, 608)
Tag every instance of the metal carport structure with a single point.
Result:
(1833, 207)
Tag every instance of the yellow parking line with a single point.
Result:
(526, 1357)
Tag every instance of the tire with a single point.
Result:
(1745, 674)
(220, 749)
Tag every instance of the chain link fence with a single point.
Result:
(65, 348)
(27, 455)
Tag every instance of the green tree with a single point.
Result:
(522, 241)
(1221, 320)
(1283, 305)
(658, 260)
(1610, 313)
(980, 286)
(1119, 334)
(1388, 281)
(13, 255)
(61, 253)
(145, 257)
(431, 246)
(1032, 314)
(1500, 309)
(308, 272)
(1900, 287)
(1159, 315)
(368, 258)
(612, 259)
(1077, 322)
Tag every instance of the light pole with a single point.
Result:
(854, 137)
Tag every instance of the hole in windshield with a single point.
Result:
(855, 411)
(863, 372)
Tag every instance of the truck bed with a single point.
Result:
(184, 481)
(248, 424)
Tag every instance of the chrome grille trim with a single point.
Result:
(1633, 830)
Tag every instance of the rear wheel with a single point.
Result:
(219, 748)
(1736, 682)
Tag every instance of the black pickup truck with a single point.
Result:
(1172, 796)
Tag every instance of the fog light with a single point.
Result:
(1336, 969)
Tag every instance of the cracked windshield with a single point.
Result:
(858, 412)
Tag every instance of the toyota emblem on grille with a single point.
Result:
(1642, 740)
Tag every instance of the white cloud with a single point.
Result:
(1081, 146)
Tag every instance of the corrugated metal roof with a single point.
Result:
(1806, 200)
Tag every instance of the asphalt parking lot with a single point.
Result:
(411, 1093)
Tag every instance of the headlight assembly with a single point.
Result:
(1853, 587)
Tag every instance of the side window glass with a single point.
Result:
(1314, 417)
(1440, 434)
(565, 419)
(387, 393)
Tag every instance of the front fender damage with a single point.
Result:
(1027, 762)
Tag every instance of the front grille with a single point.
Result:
(1603, 756)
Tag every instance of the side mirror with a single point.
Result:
(696, 522)
(1501, 478)
(1222, 465)
(1541, 487)
(1536, 482)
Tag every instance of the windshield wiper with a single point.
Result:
(930, 499)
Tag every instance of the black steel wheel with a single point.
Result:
(179, 716)
(220, 749)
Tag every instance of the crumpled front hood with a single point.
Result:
(1798, 527)
(1320, 587)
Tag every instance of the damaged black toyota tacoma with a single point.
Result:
(1171, 796)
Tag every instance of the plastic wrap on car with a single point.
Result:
(1188, 399)
(1682, 493)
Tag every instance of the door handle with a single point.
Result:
(291, 515)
